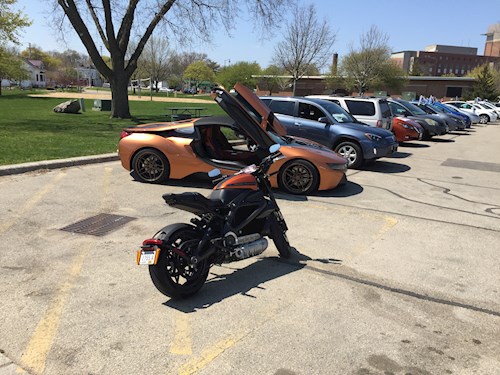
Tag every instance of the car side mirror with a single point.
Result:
(324, 120)
(274, 148)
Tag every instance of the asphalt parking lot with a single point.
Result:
(396, 273)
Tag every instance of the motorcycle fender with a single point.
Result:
(162, 234)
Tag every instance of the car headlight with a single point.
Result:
(373, 137)
(431, 121)
(337, 166)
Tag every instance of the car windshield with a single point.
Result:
(337, 112)
(437, 109)
(414, 109)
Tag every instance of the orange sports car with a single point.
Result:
(173, 150)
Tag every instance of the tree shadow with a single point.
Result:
(221, 286)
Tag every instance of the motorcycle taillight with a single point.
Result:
(152, 241)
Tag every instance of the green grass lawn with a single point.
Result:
(31, 131)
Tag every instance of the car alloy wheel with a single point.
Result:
(150, 165)
(298, 177)
(352, 152)
(484, 119)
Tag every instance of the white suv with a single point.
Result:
(371, 111)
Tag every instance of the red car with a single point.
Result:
(406, 129)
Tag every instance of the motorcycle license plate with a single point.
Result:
(147, 256)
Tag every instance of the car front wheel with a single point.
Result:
(298, 177)
(352, 152)
(150, 165)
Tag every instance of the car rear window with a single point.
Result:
(360, 108)
(283, 107)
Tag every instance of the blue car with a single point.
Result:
(466, 119)
(330, 125)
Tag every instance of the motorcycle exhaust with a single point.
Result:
(250, 249)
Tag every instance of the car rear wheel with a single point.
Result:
(352, 152)
(484, 119)
(150, 165)
(298, 177)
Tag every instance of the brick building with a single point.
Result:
(438, 60)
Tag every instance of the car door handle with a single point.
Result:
(298, 123)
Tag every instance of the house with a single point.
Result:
(36, 73)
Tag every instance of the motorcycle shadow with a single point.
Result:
(228, 280)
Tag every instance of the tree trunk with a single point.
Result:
(119, 94)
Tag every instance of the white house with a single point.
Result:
(36, 72)
(89, 76)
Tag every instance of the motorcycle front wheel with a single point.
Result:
(173, 275)
(278, 235)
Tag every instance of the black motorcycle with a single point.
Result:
(231, 225)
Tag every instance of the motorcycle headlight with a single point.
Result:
(431, 121)
(373, 137)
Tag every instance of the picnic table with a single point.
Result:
(182, 113)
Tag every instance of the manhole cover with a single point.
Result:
(98, 225)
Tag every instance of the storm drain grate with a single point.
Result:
(98, 225)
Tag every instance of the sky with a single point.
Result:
(409, 25)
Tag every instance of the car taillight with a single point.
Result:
(379, 123)
(124, 134)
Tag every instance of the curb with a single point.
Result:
(6, 170)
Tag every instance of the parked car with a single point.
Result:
(453, 122)
(489, 105)
(173, 150)
(406, 129)
(485, 115)
(330, 125)
(431, 124)
(371, 111)
(471, 113)
(453, 111)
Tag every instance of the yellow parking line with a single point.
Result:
(210, 354)
(182, 342)
(38, 348)
(40, 344)
(30, 203)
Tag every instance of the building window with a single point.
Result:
(445, 70)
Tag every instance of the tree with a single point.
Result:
(485, 85)
(153, 62)
(11, 22)
(187, 19)
(197, 72)
(11, 65)
(370, 67)
(307, 43)
(239, 72)
(273, 80)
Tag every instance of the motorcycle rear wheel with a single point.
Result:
(278, 235)
(172, 275)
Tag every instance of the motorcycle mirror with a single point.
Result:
(274, 148)
(214, 173)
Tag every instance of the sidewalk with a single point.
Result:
(6, 170)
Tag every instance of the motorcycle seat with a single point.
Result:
(192, 202)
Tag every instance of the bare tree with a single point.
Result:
(370, 66)
(187, 19)
(154, 60)
(307, 43)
